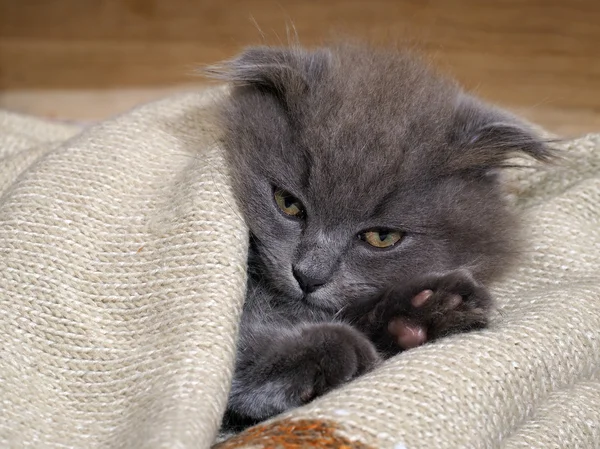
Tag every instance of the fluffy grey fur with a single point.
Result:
(364, 139)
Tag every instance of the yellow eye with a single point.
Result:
(381, 238)
(288, 203)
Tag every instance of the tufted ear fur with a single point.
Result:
(286, 73)
(488, 137)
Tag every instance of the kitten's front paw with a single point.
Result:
(330, 355)
(296, 369)
(429, 308)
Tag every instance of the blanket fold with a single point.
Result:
(122, 277)
(121, 281)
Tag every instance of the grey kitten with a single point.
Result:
(370, 187)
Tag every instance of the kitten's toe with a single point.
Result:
(451, 301)
(421, 298)
(407, 334)
(454, 301)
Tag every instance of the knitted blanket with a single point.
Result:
(122, 275)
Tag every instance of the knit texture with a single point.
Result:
(122, 274)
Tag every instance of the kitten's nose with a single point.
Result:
(307, 283)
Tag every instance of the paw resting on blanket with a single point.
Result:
(295, 367)
(428, 308)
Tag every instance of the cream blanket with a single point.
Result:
(122, 272)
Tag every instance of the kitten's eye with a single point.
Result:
(381, 238)
(288, 203)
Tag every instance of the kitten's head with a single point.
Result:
(357, 167)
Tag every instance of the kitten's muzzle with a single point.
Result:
(308, 283)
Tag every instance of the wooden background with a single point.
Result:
(88, 58)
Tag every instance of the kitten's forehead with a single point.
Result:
(376, 113)
(349, 187)
(385, 94)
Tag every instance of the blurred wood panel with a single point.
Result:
(86, 105)
(522, 53)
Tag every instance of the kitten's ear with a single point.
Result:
(286, 73)
(488, 137)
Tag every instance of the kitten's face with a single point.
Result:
(358, 168)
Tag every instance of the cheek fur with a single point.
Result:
(379, 270)
(275, 262)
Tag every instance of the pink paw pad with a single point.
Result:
(410, 335)
(421, 298)
(454, 301)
